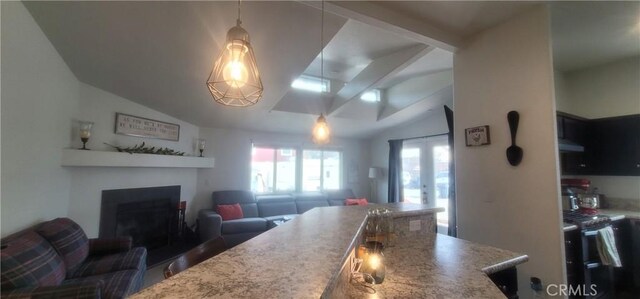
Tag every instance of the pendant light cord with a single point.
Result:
(322, 43)
(322, 51)
(238, 20)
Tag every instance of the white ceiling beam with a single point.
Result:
(375, 15)
(405, 94)
(376, 72)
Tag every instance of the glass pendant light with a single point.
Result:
(235, 80)
(321, 133)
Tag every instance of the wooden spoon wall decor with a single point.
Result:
(514, 152)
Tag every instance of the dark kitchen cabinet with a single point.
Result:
(623, 277)
(573, 258)
(576, 163)
(617, 145)
(575, 130)
(611, 145)
(634, 229)
(507, 281)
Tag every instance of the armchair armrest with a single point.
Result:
(210, 225)
(89, 290)
(109, 245)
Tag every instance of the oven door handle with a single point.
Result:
(590, 233)
(592, 265)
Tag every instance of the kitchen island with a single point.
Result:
(309, 257)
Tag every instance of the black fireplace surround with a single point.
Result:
(148, 215)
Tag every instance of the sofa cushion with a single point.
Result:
(244, 225)
(118, 284)
(68, 239)
(308, 201)
(356, 202)
(275, 205)
(336, 202)
(337, 197)
(230, 212)
(244, 198)
(29, 260)
(134, 259)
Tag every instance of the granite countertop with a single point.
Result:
(441, 267)
(297, 259)
(617, 214)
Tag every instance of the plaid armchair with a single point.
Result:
(56, 260)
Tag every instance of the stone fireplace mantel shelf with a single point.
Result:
(92, 158)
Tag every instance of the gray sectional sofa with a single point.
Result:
(260, 212)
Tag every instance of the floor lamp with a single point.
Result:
(373, 176)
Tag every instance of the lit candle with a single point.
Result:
(85, 133)
(373, 262)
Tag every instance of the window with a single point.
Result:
(273, 169)
(310, 83)
(321, 170)
(372, 96)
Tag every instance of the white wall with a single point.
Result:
(504, 68)
(232, 151)
(39, 99)
(601, 91)
(433, 122)
(87, 183)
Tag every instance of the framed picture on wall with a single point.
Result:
(477, 136)
(143, 127)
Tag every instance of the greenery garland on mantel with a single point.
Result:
(141, 149)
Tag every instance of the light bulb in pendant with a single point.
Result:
(321, 132)
(235, 72)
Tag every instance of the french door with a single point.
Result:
(425, 174)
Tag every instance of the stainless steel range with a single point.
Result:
(584, 219)
(584, 267)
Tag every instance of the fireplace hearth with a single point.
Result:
(150, 216)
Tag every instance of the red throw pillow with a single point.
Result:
(356, 202)
(230, 212)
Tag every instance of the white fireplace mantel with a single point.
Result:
(93, 158)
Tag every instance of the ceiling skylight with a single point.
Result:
(311, 83)
(372, 96)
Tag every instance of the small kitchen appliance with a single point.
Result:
(571, 191)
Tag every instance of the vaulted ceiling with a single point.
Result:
(159, 54)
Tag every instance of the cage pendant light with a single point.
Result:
(235, 80)
(321, 133)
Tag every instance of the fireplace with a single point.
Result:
(148, 215)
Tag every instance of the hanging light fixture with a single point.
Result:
(321, 133)
(235, 80)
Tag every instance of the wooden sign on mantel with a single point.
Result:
(143, 127)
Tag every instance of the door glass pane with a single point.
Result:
(411, 174)
(262, 169)
(441, 171)
(311, 170)
(331, 170)
(285, 169)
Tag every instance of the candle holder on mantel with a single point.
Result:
(85, 133)
(201, 145)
